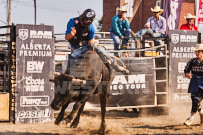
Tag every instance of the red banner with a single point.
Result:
(199, 12)
(199, 16)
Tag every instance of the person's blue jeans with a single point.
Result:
(100, 50)
(150, 33)
(116, 38)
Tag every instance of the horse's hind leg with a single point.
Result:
(103, 101)
(61, 114)
(75, 122)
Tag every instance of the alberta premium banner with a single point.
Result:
(34, 68)
(180, 44)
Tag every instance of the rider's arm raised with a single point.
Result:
(70, 32)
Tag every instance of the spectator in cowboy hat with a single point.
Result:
(194, 71)
(155, 25)
(120, 29)
(189, 25)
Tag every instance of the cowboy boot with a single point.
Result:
(107, 60)
(124, 46)
(118, 68)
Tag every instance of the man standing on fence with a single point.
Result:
(120, 29)
(194, 71)
(80, 34)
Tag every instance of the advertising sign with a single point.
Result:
(180, 44)
(134, 89)
(34, 68)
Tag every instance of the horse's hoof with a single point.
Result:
(102, 132)
(74, 125)
(57, 122)
(67, 120)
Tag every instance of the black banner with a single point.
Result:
(137, 88)
(34, 67)
(181, 42)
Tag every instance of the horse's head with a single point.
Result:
(62, 85)
(89, 68)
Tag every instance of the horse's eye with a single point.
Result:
(53, 90)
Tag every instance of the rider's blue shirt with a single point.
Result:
(71, 24)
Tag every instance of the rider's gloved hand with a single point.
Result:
(91, 46)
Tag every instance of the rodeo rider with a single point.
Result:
(80, 34)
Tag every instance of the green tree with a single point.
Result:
(100, 24)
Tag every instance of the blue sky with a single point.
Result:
(50, 12)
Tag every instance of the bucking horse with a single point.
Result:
(86, 76)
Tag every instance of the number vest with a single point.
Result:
(81, 37)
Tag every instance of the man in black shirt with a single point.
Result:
(194, 71)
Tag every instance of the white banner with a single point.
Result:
(129, 7)
(199, 17)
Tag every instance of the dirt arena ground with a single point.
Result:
(118, 122)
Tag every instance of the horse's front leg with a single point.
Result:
(61, 114)
(75, 122)
(76, 107)
(85, 95)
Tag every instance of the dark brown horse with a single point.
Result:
(87, 75)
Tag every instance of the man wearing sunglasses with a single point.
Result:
(120, 29)
(189, 25)
(155, 26)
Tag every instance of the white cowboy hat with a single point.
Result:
(197, 47)
(157, 9)
(122, 8)
(190, 16)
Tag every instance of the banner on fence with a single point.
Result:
(34, 67)
(134, 89)
(180, 44)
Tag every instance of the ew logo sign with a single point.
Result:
(23, 33)
(35, 66)
(175, 38)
